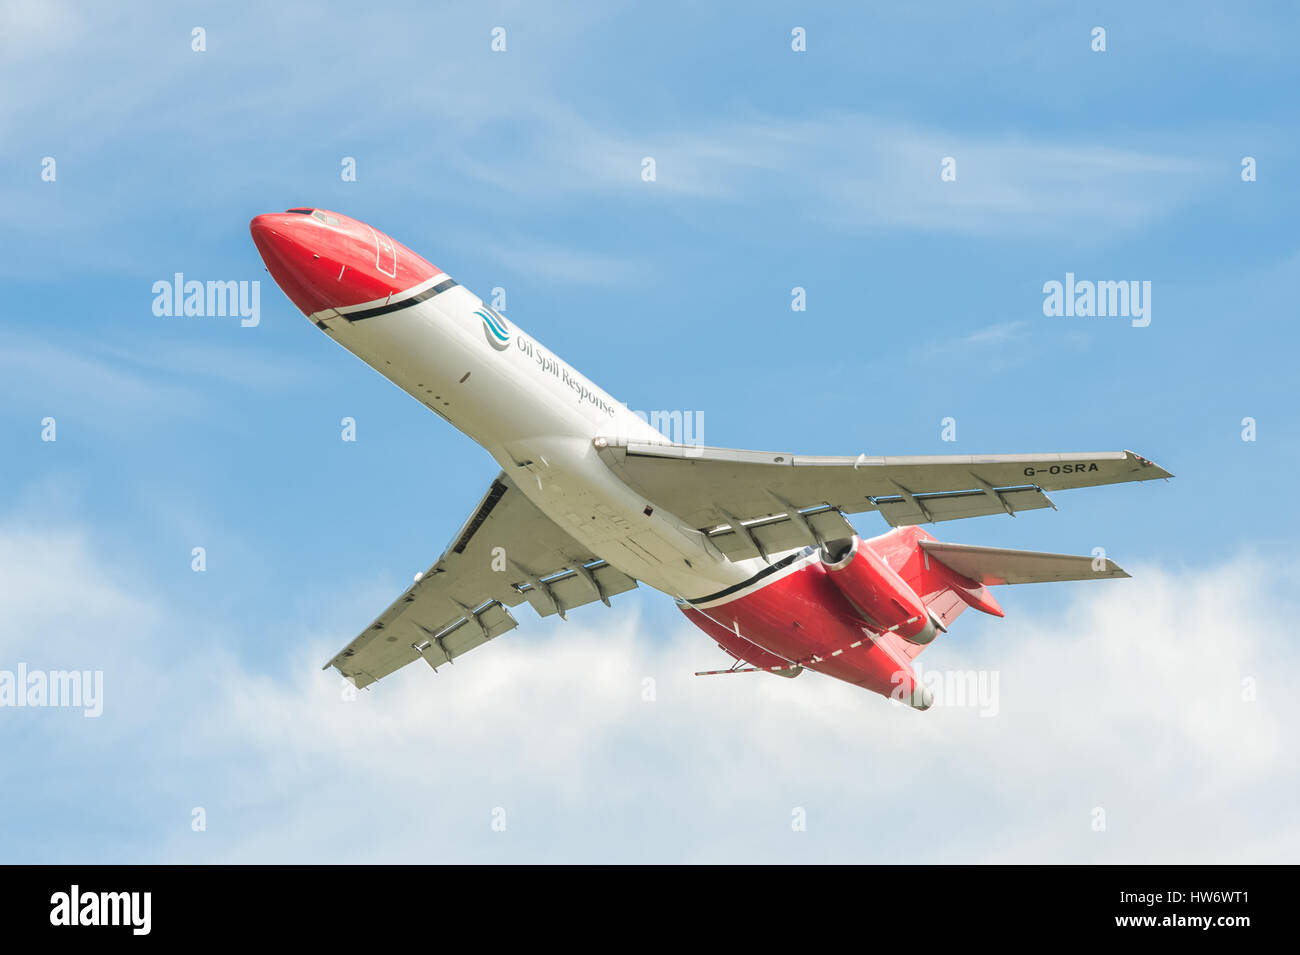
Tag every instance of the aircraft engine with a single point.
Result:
(876, 590)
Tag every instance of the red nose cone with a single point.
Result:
(325, 260)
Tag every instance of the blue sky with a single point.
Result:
(521, 169)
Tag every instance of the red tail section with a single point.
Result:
(944, 591)
(740, 648)
(860, 611)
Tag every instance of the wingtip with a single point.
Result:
(1154, 471)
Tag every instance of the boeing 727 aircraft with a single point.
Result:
(754, 546)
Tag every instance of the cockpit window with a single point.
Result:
(325, 217)
(301, 212)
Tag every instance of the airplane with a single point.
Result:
(755, 547)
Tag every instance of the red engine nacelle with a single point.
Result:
(880, 595)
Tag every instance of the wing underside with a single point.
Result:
(507, 553)
(754, 503)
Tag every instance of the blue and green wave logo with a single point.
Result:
(498, 332)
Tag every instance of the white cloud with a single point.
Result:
(65, 376)
(994, 334)
(1128, 697)
(853, 171)
(106, 388)
(517, 143)
(32, 30)
(557, 263)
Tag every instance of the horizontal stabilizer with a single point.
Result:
(996, 565)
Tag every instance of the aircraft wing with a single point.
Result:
(507, 552)
(753, 503)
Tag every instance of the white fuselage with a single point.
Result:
(538, 418)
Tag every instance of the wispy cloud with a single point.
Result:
(559, 263)
(248, 366)
(84, 378)
(994, 334)
(997, 347)
(155, 377)
(514, 141)
(855, 172)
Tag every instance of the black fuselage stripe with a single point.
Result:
(765, 572)
(398, 306)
